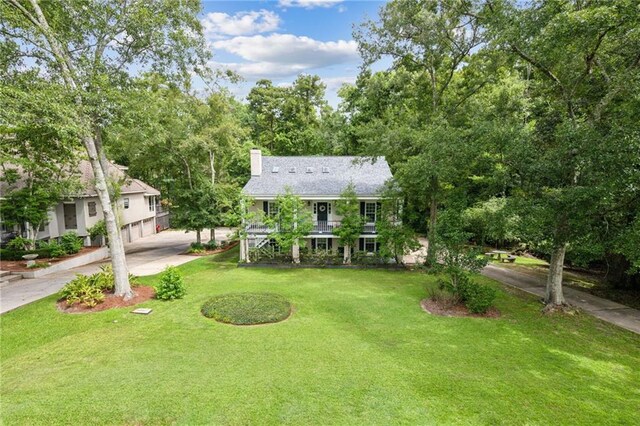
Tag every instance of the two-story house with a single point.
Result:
(318, 181)
(137, 208)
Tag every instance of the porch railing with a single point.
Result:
(319, 227)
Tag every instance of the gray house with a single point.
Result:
(318, 181)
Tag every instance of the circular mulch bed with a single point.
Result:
(247, 308)
(459, 310)
(142, 294)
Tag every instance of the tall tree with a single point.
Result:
(90, 47)
(582, 60)
(291, 221)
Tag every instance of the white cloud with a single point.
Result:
(334, 83)
(217, 25)
(308, 4)
(257, 70)
(285, 54)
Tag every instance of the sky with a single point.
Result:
(279, 39)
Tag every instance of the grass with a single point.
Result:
(357, 350)
(247, 308)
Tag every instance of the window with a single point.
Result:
(126, 203)
(322, 244)
(370, 245)
(309, 169)
(325, 170)
(315, 208)
(370, 212)
(152, 204)
(329, 208)
(292, 169)
(92, 208)
(43, 226)
(275, 169)
(273, 208)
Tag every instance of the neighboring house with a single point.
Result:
(318, 181)
(136, 208)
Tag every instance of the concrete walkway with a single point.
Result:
(535, 283)
(146, 256)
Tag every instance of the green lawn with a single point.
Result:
(357, 350)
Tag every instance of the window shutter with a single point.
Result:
(329, 243)
(361, 208)
(361, 244)
(265, 207)
(313, 244)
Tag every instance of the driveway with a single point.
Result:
(146, 256)
(535, 283)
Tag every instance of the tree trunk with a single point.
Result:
(295, 253)
(433, 215)
(213, 169)
(347, 254)
(116, 246)
(554, 296)
(212, 237)
(198, 237)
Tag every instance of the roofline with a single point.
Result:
(313, 197)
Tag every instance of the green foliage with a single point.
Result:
(70, 242)
(351, 224)
(54, 248)
(291, 222)
(247, 308)
(98, 230)
(196, 248)
(491, 222)
(171, 285)
(19, 244)
(395, 238)
(82, 290)
(211, 245)
(478, 298)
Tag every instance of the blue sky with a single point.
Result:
(280, 39)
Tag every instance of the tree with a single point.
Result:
(582, 61)
(292, 222)
(394, 238)
(89, 48)
(352, 223)
(39, 160)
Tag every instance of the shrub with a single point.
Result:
(19, 244)
(53, 248)
(98, 230)
(82, 290)
(443, 297)
(477, 297)
(247, 308)
(171, 285)
(70, 242)
(211, 245)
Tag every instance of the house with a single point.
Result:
(138, 209)
(318, 181)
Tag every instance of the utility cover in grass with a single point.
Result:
(247, 308)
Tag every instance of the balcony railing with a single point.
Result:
(319, 227)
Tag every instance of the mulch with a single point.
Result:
(460, 310)
(142, 294)
(216, 251)
(21, 265)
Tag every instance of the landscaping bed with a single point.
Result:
(458, 310)
(142, 294)
(204, 251)
(21, 265)
(247, 308)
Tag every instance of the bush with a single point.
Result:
(70, 242)
(171, 285)
(477, 297)
(82, 289)
(247, 308)
(211, 245)
(52, 248)
(19, 244)
(443, 297)
(98, 230)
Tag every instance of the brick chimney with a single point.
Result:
(256, 162)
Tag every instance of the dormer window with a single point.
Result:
(309, 169)
(325, 170)
(275, 169)
(292, 169)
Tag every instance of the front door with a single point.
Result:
(322, 212)
(70, 218)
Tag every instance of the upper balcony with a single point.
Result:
(319, 228)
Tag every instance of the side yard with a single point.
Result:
(358, 349)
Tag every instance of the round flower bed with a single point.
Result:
(247, 308)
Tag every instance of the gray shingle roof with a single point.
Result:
(309, 178)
